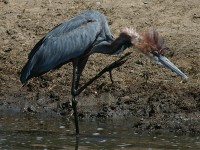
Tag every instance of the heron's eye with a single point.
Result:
(155, 52)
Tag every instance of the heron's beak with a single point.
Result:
(162, 60)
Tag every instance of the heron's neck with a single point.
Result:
(118, 45)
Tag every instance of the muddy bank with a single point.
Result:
(160, 101)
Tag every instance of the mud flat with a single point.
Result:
(161, 102)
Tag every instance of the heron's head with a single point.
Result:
(152, 44)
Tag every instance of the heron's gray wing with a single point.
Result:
(59, 46)
(62, 29)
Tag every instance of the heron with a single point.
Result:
(76, 39)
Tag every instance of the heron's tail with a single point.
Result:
(25, 73)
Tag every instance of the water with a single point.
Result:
(20, 131)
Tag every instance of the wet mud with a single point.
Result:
(150, 96)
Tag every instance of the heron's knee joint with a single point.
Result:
(74, 92)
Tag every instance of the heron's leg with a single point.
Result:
(74, 105)
(109, 68)
(77, 143)
(78, 66)
(75, 82)
(111, 78)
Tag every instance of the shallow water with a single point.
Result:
(20, 131)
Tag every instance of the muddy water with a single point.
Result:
(21, 131)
